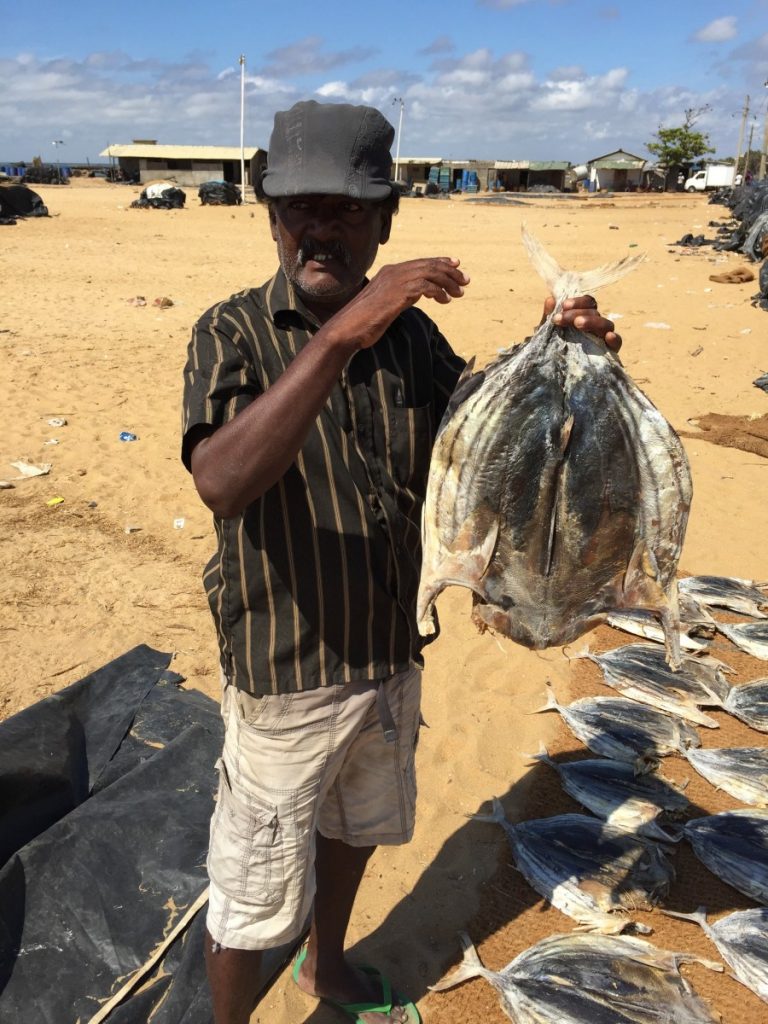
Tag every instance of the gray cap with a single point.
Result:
(332, 149)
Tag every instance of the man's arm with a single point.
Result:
(236, 463)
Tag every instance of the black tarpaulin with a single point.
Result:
(20, 201)
(106, 792)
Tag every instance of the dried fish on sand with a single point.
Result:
(740, 771)
(586, 868)
(742, 941)
(731, 592)
(734, 846)
(751, 637)
(640, 622)
(590, 979)
(640, 671)
(614, 792)
(624, 729)
(557, 491)
(749, 702)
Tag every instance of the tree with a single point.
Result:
(678, 148)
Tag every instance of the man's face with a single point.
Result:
(326, 245)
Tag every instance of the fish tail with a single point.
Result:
(580, 652)
(551, 702)
(566, 284)
(699, 916)
(497, 815)
(543, 754)
(471, 966)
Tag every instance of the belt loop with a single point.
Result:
(385, 715)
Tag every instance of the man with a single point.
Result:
(310, 408)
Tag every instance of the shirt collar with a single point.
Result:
(280, 301)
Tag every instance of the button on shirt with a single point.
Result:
(315, 582)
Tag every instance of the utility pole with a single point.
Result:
(765, 138)
(398, 99)
(748, 153)
(744, 116)
(242, 127)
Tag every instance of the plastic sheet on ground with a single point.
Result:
(107, 790)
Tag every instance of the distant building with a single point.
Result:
(618, 171)
(145, 160)
(521, 175)
(414, 170)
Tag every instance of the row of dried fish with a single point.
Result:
(640, 672)
(697, 626)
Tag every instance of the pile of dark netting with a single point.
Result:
(219, 193)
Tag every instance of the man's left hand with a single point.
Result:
(583, 314)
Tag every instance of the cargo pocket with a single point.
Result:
(245, 858)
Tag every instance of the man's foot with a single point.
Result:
(362, 993)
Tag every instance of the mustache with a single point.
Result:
(311, 248)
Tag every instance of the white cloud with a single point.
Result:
(718, 31)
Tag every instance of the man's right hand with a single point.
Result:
(393, 289)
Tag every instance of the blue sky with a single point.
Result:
(505, 79)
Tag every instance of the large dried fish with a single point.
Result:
(586, 868)
(590, 979)
(742, 941)
(640, 671)
(749, 702)
(624, 729)
(616, 793)
(731, 592)
(557, 491)
(740, 771)
(751, 637)
(734, 846)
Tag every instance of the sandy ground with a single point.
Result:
(117, 562)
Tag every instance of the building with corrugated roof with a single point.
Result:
(618, 171)
(145, 160)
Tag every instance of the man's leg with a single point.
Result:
(325, 972)
(339, 870)
(233, 976)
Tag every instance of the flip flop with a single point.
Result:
(354, 1010)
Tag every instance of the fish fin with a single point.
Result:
(471, 966)
(565, 284)
(464, 565)
(467, 372)
(467, 558)
(643, 588)
(565, 437)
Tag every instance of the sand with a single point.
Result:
(117, 562)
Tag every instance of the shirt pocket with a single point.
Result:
(245, 857)
(411, 435)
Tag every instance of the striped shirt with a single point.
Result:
(315, 582)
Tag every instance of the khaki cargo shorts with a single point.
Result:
(294, 764)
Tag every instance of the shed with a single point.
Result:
(414, 170)
(521, 175)
(618, 171)
(144, 160)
